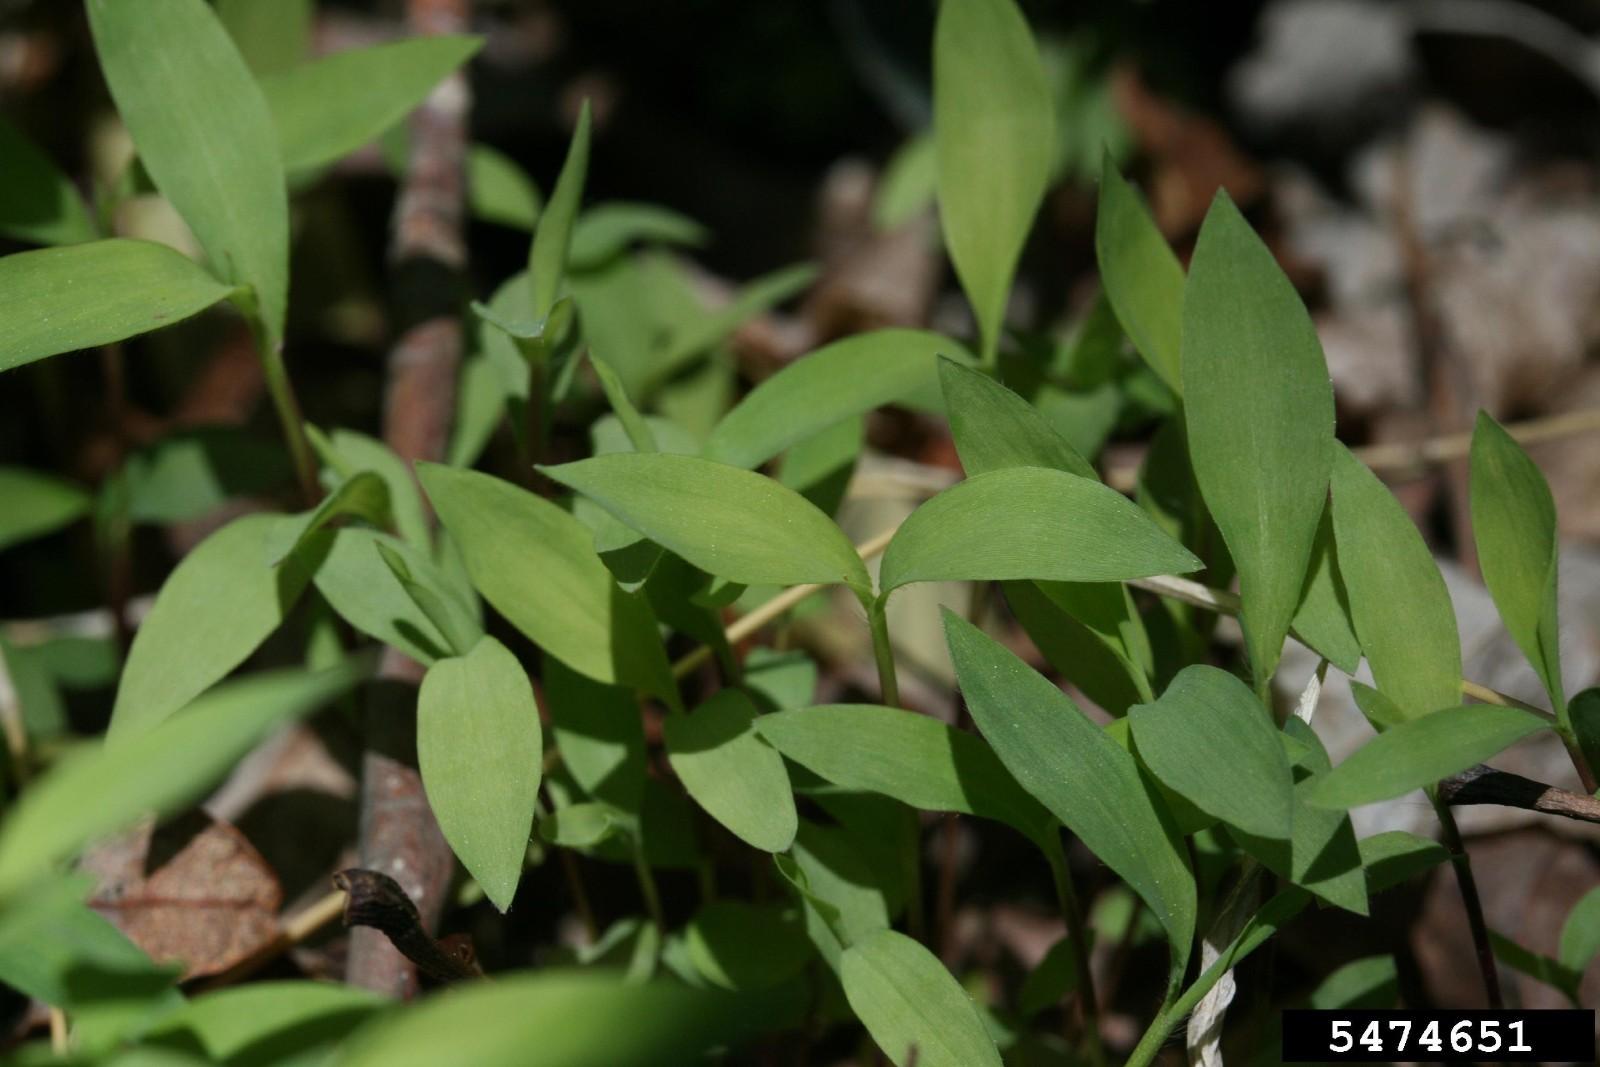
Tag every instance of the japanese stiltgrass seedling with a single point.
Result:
(583, 700)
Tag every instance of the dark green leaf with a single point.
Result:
(915, 1010)
(1580, 934)
(995, 428)
(192, 472)
(578, 825)
(62, 299)
(1142, 278)
(1395, 856)
(37, 504)
(38, 203)
(606, 230)
(737, 945)
(731, 772)
(273, 35)
(1323, 619)
(248, 1024)
(599, 735)
(1259, 410)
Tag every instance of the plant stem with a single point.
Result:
(580, 895)
(877, 618)
(1078, 931)
(647, 887)
(1469, 899)
(288, 408)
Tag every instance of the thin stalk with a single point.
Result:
(883, 651)
(647, 887)
(580, 895)
(1078, 931)
(1469, 899)
(288, 408)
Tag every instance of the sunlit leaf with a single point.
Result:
(731, 772)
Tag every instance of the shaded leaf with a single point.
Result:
(38, 203)
(37, 504)
(192, 472)
(552, 238)
(205, 135)
(731, 772)
(1580, 934)
(737, 945)
(606, 230)
(253, 1023)
(1322, 620)
(357, 582)
(577, 825)
(599, 735)
(363, 495)
(271, 34)
(1259, 409)
(1081, 655)
(1398, 601)
(914, 1009)
(57, 300)
(480, 748)
(499, 191)
(1142, 278)
(1421, 751)
(1395, 856)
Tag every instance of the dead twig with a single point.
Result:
(1485, 785)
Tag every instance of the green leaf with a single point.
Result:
(354, 577)
(192, 472)
(359, 452)
(599, 735)
(578, 825)
(1259, 409)
(1538, 967)
(437, 599)
(638, 430)
(1580, 934)
(289, 1018)
(1398, 600)
(907, 185)
(728, 522)
(1514, 525)
(328, 108)
(37, 504)
(841, 875)
(731, 772)
(1029, 522)
(1395, 856)
(499, 191)
(737, 945)
(1323, 619)
(752, 298)
(1079, 653)
(907, 756)
(1142, 278)
(273, 35)
(57, 300)
(102, 788)
(1082, 776)
(606, 230)
(38, 203)
(480, 749)
(995, 428)
(994, 136)
(1371, 983)
(563, 1018)
(221, 601)
(846, 378)
(914, 1009)
(1378, 709)
(204, 133)
(1583, 714)
(537, 565)
(1210, 741)
(363, 495)
(1419, 752)
(547, 255)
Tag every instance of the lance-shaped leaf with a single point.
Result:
(1259, 410)
(1580, 934)
(731, 772)
(328, 108)
(348, 452)
(103, 788)
(1210, 741)
(1078, 652)
(451, 610)
(37, 504)
(1322, 620)
(737, 945)
(1421, 751)
(363, 495)
(915, 1010)
(38, 203)
(499, 191)
(547, 255)
(221, 601)
(752, 298)
(606, 230)
(732, 523)
(994, 138)
(1083, 777)
(1395, 856)
(1398, 600)
(205, 135)
(358, 582)
(1514, 525)
(272, 35)
(912, 758)
(1142, 278)
(57, 300)
(290, 1017)
(1029, 522)
(480, 749)
(599, 734)
(537, 565)
(846, 378)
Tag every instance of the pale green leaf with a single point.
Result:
(56, 300)
(38, 203)
(607, 230)
(1029, 522)
(731, 772)
(1081, 775)
(994, 138)
(578, 825)
(354, 578)
(537, 565)
(1259, 408)
(37, 504)
(1421, 751)
(908, 184)
(640, 435)
(192, 472)
(1514, 525)
(1143, 279)
(552, 238)
(363, 495)
(499, 191)
(1398, 600)
(362, 453)
(1210, 741)
(480, 749)
(846, 378)
(752, 298)
(221, 601)
(915, 1010)
(325, 109)
(448, 607)
(203, 131)
(912, 758)
(728, 522)
(104, 788)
